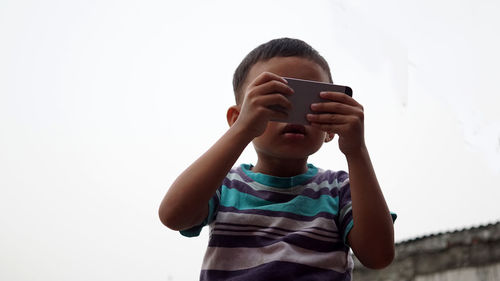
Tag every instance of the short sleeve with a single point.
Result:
(345, 219)
(213, 206)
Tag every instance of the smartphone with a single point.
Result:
(306, 93)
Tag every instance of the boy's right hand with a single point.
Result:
(263, 100)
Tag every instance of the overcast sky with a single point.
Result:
(103, 103)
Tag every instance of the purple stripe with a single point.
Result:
(334, 192)
(277, 270)
(248, 230)
(277, 214)
(320, 177)
(329, 176)
(242, 174)
(251, 225)
(255, 241)
(345, 222)
(216, 200)
(277, 197)
(216, 203)
(258, 227)
(344, 199)
(344, 196)
(263, 194)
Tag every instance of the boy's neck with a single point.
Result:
(280, 167)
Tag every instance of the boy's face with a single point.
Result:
(300, 141)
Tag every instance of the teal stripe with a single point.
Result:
(280, 182)
(196, 230)
(394, 216)
(300, 205)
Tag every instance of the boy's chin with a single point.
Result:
(286, 153)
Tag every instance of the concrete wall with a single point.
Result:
(482, 273)
(469, 255)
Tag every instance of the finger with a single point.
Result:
(272, 87)
(351, 124)
(277, 114)
(328, 118)
(338, 129)
(275, 100)
(339, 97)
(266, 77)
(336, 107)
(272, 112)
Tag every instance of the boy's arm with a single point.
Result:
(186, 202)
(372, 235)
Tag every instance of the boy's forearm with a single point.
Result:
(186, 202)
(372, 236)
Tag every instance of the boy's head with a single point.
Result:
(286, 58)
(283, 47)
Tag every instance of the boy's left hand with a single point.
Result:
(342, 115)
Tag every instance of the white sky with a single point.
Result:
(104, 103)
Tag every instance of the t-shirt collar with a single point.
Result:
(280, 182)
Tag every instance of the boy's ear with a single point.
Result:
(232, 114)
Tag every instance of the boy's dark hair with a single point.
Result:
(282, 47)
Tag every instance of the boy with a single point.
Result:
(283, 219)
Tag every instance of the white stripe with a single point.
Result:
(238, 228)
(271, 233)
(344, 211)
(286, 223)
(243, 258)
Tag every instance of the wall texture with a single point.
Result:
(470, 255)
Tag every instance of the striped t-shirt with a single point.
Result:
(274, 228)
